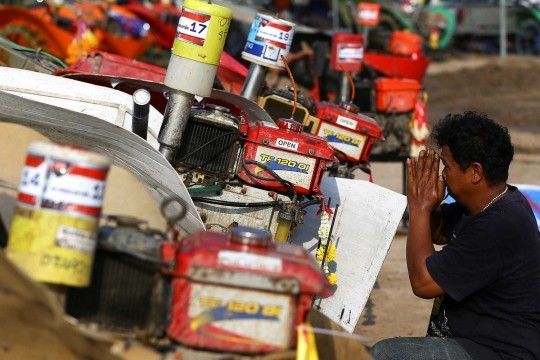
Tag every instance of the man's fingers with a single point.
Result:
(411, 169)
(434, 168)
(410, 175)
(421, 162)
(428, 163)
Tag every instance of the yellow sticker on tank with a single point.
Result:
(53, 247)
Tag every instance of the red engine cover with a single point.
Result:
(396, 95)
(241, 296)
(347, 51)
(347, 130)
(295, 156)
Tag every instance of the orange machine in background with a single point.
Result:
(54, 29)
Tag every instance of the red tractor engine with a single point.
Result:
(234, 155)
(226, 292)
(297, 157)
(256, 150)
(349, 132)
(241, 292)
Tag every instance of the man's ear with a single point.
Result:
(477, 172)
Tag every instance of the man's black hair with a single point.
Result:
(474, 137)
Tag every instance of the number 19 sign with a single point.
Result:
(268, 39)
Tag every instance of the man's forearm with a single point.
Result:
(419, 248)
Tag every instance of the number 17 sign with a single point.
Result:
(193, 27)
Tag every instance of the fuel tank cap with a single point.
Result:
(289, 124)
(350, 107)
(249, 236)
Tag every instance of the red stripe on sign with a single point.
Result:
(25, 198)
(96, 174)
(194, 16)
(278, 44)
(34, 161)
(81, 209)
(88, 210)
(281, 27)
(192, 39)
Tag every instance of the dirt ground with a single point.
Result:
(506, 90)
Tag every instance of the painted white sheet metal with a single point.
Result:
(94, 117)
(367, 220)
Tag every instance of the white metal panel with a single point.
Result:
(366, 222)
(107, 104)
(124, 148)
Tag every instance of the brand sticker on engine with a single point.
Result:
(298, 169)
(349, 142)
(240, 316)
(249, 261)
(348, 123)
(286, 144)
(284, 164)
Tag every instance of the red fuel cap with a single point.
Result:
(289, 124)
(249, 236)
(350, 107)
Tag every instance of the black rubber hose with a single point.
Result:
(286, 184)
(235, 204)
(309, 203)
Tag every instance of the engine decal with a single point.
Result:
(295, 168)
(345, 121)
(283, 164)
(240, 316)
(286, 144)
(340, 138)
(349, 142)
